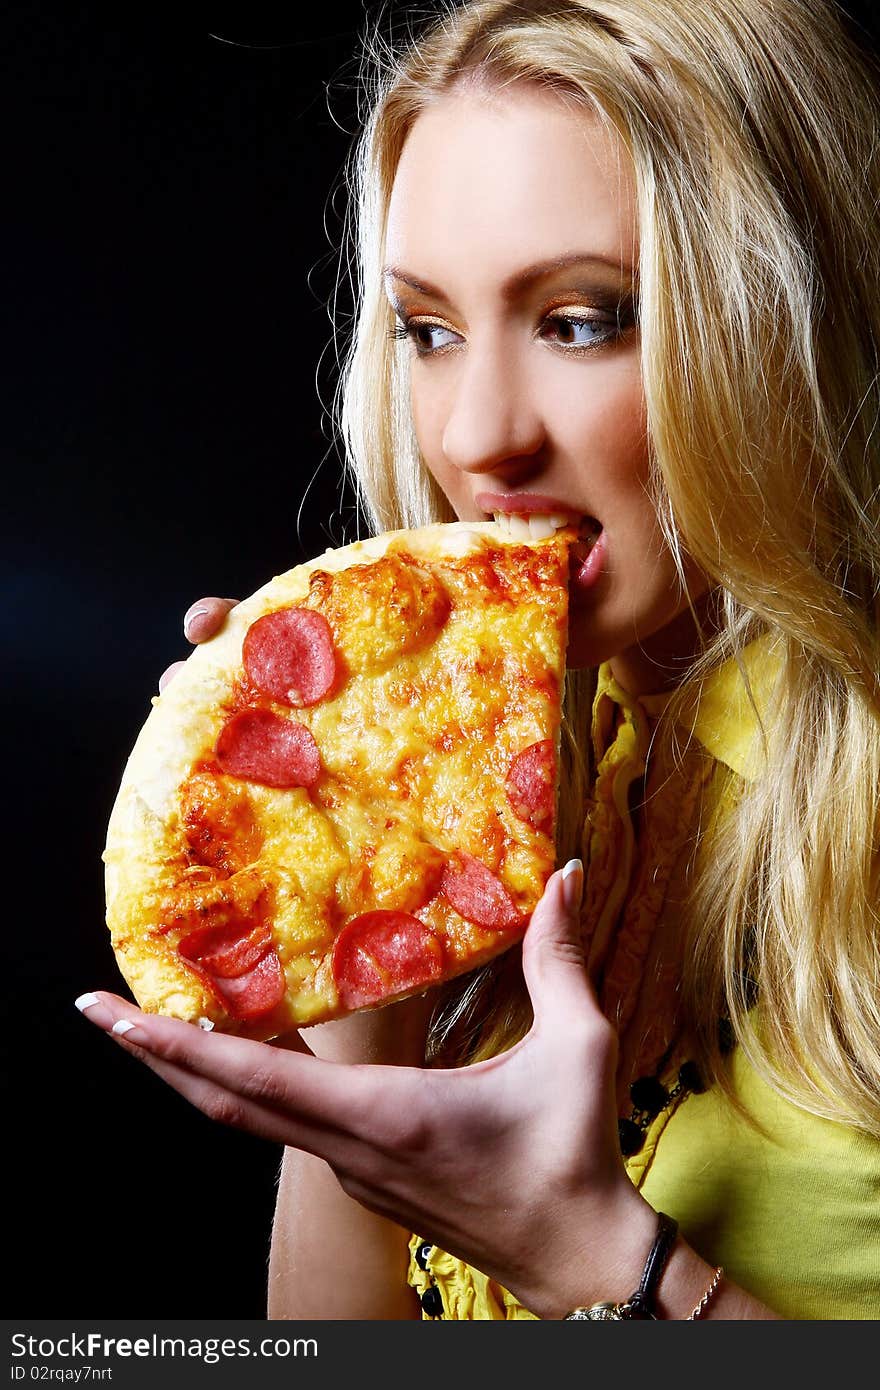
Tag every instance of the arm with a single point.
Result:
(512, 1164)
(330, 1256)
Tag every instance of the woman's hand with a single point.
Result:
(512, 1164)
(201, 620)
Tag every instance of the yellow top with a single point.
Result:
(791, 1209)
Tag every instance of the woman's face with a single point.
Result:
(512, 260)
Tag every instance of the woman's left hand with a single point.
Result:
(512, 1164)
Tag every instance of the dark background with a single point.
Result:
(166, 356)
(168, 275)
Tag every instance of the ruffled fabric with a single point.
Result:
(466, 1294)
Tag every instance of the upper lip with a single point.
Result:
(524, 504)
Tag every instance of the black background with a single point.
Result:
(168, 246)
(169, 347)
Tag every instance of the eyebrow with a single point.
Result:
(522, 278)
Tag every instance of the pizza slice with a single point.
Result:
(348, 794)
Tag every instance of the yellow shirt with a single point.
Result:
(791, 1208)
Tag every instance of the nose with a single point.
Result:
(494, 424)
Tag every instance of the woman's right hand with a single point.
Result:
(394, 1035)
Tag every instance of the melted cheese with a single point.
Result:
(450, 668)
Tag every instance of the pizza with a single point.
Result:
(349, 793)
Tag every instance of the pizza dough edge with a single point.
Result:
(180, 721)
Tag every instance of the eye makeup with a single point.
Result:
(614, 313)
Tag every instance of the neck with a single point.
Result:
(661, 662)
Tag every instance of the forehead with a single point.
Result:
(488, 181)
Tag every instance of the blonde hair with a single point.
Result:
(753, 131)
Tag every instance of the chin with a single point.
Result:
(585, 646)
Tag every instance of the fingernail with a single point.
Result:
(190, 619)
(102, 1016)
(572, 884)
(130, 1031)
(98, 1013)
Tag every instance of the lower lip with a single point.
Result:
(587, 573)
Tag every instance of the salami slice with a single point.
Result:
(531, 785)
(255, 992)
(227, 951)
(264, 747)
(289, 655)
(478, 894)
(382, 954)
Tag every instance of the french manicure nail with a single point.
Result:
(92, 1008)
(573, 884)
(190, 619)
(103, 1017)
(124, 1028)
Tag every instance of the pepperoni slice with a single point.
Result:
(256, 992)
(384, 953)
(264, 747)
(289, 655)
(478, 894)
(531, 785)
(226, 951)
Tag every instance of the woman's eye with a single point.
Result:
(426, 337)
(573, 331)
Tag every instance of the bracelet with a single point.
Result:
(639, 1305)
(710, 1292)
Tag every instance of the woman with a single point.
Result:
(626, 244)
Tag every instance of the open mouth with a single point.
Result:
(537, 526)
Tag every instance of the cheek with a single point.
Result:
(608, 408)
(428, 422)
(424, 416)
(603, 422)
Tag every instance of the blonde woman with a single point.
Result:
(618, 260)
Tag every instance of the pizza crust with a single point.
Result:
(187, 718)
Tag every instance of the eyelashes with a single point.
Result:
(612, 329)
(408, 328)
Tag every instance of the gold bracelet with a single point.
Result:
(712, 1289)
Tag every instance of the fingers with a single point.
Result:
(553, 957)
(205, 617)
(169, 673)
(202, 620)
(287, 1096)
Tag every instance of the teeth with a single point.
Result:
(537, 526)
(518, 527)
(540, 527)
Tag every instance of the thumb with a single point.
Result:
(553, 955)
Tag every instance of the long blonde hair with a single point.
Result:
(753, 129)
